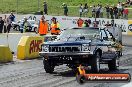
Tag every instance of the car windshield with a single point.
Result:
(74, 34)
(31, 22)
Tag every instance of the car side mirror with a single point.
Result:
(96, 36)
(101, 40)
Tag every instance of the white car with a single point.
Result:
(19, 25)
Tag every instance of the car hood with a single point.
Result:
(67, 42)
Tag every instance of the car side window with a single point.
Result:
(108, 34)
(103, 34)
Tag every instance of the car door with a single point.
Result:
(105, 44)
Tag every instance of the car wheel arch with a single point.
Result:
(98, 50)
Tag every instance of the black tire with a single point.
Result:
(113, 64)
(80, 79)
(48, 66)
(95, 66)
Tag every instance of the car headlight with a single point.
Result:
(85, 47)
(45, 48)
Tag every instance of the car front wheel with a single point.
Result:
(95, 66)
(48, 66)
(113, 64)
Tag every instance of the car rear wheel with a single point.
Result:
(48, 66)
(113, 64)
(80, 79)
(95, 66)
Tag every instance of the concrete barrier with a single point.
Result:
(5, 54)
(129, 27)
(12, 39)
(29, 47)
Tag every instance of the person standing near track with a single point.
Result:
(115, 10)
(101, 12)
(8, 24)
(80, 22)
(55, 27)
(65, 9)
(45, 8)
(93, 11)
(111, 12)
(85, 10)
(125, 13)
(1, 24)
(26, 25)
(81, 10)
(107, 11)
(5, 24)
(119, 6)
(98, 11)
(43, 26)
(12, 17)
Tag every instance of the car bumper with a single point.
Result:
(64, 53)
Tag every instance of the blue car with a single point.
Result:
(86, 46)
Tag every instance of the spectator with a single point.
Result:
(108, 25)
(12, 17)
(80, 22)
(101, 11)
(129, 2)
(125, 13)
(95, 24)
(93, 11)
(8, 24)
(43, 26)
(45, 8)
(119, 6)
(85, 23)
(1, 24)
(81, 10)
(115, 9)
(85, 10)
(97, 11)
(123, 6)
(111, 12)
(107, 10)
(5, 24)
(55, 27)
(65, 9)
(26, 25)
(89, 21)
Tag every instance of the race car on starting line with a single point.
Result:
(86, 46)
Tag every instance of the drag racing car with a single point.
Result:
(86, 46)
